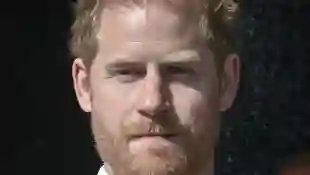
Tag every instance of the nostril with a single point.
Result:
(161, 110)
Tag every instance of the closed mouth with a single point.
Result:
(153, 135)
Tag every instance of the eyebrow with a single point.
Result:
(178, 57)
(181, 56)
(123, 63)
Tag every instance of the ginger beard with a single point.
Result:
(137, 70)
(189, 153)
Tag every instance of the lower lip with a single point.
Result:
(154, 138)
(163, 136)
(145, 142)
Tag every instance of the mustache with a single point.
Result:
(147, 127)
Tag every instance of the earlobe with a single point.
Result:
(229, 81)
(81, 84)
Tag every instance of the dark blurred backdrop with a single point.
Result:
(268, 123)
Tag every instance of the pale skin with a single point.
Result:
(154, 93)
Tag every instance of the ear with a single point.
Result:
(81, 84)
(229, 81)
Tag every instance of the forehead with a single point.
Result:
(150, 20)
(149, 31)
(156, 26)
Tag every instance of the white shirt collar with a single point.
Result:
(102, 171)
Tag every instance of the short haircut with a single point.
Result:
(215, 24)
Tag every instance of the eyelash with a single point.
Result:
(127, 75)
(180, 70)
(126, 72)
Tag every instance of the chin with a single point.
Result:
(159, 162)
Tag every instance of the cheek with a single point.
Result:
(111, 105)
(111, 102)
(197, 110)
(195, 105)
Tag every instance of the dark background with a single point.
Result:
(268, 123)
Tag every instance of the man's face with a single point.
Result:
(153, 92)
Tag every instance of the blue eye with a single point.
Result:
(180, 73)
(175, 70)
(126, 72)
(129, 75)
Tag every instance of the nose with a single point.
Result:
(153, 101)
